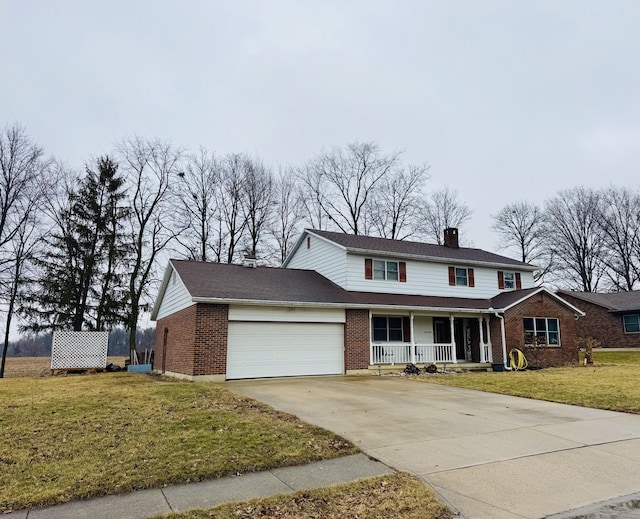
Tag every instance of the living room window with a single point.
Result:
(631, 323)
(387, 329)
(541, 331)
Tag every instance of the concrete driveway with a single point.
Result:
(488, 455)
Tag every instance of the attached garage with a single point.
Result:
(277, 349)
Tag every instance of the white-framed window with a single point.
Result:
(387, 329)
(385, 270)
(509, 280)
(631, 323)
(461, 277)
(541, 331)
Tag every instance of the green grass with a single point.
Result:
(66, 438)
(614, 357)
(398, 495)
(612, 383)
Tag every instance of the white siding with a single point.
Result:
(286, 314)
(424, 278)
(323, 257)
(176, 298)
(423, 329)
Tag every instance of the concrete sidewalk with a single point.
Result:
(148, 503)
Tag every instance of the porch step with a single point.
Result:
(463, 367)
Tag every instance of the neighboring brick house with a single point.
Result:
(611, 319)
(344, 303)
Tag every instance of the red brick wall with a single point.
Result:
(196, 340)
(210, 352)
(542, 305)
(181, 328)
(601, 325)
(356, 340)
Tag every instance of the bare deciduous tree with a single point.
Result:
(258, 201)
(233, 223)
(620, 224)
(395, 212)
(575, 238)
(443, 209)
(288, 213)
(151, 167)
(345, 180)
(520, 226)
(199, 208)
(23, 173)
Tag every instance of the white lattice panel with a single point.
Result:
(73, 350)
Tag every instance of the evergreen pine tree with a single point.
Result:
(81, 281)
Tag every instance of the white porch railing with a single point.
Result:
(402, 353)
(487, 352)
(435, 353)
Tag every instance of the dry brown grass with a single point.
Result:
(39, 366)
(73, 437)
(398, 495)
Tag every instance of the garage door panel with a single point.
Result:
(258, 349)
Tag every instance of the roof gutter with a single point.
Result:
(316, 304)
(437, 259)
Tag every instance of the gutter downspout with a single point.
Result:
(504, 340)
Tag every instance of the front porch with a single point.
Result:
(454, 338)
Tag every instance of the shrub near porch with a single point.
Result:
(66, 438)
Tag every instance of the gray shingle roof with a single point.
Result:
(234, 282)
(225, 281)
(427, 250)
(614, 302)
(221, 281)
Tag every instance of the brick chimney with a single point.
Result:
(451, 237)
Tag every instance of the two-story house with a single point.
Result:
(342, 304)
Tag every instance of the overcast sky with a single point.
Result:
(504, 99)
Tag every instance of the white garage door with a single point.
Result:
(258, 350)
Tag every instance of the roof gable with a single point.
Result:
(417, 250)
(506, 300)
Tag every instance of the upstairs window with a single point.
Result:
(631, 323)
(384, 270)
(509, 280)
(541, 331)
(461, 277)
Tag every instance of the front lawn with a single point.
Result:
(72, 437)
(398, 495)
(612, 383)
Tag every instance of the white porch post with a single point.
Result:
(489, 345)
(453, 339)
(412, 355)
(480, 323)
